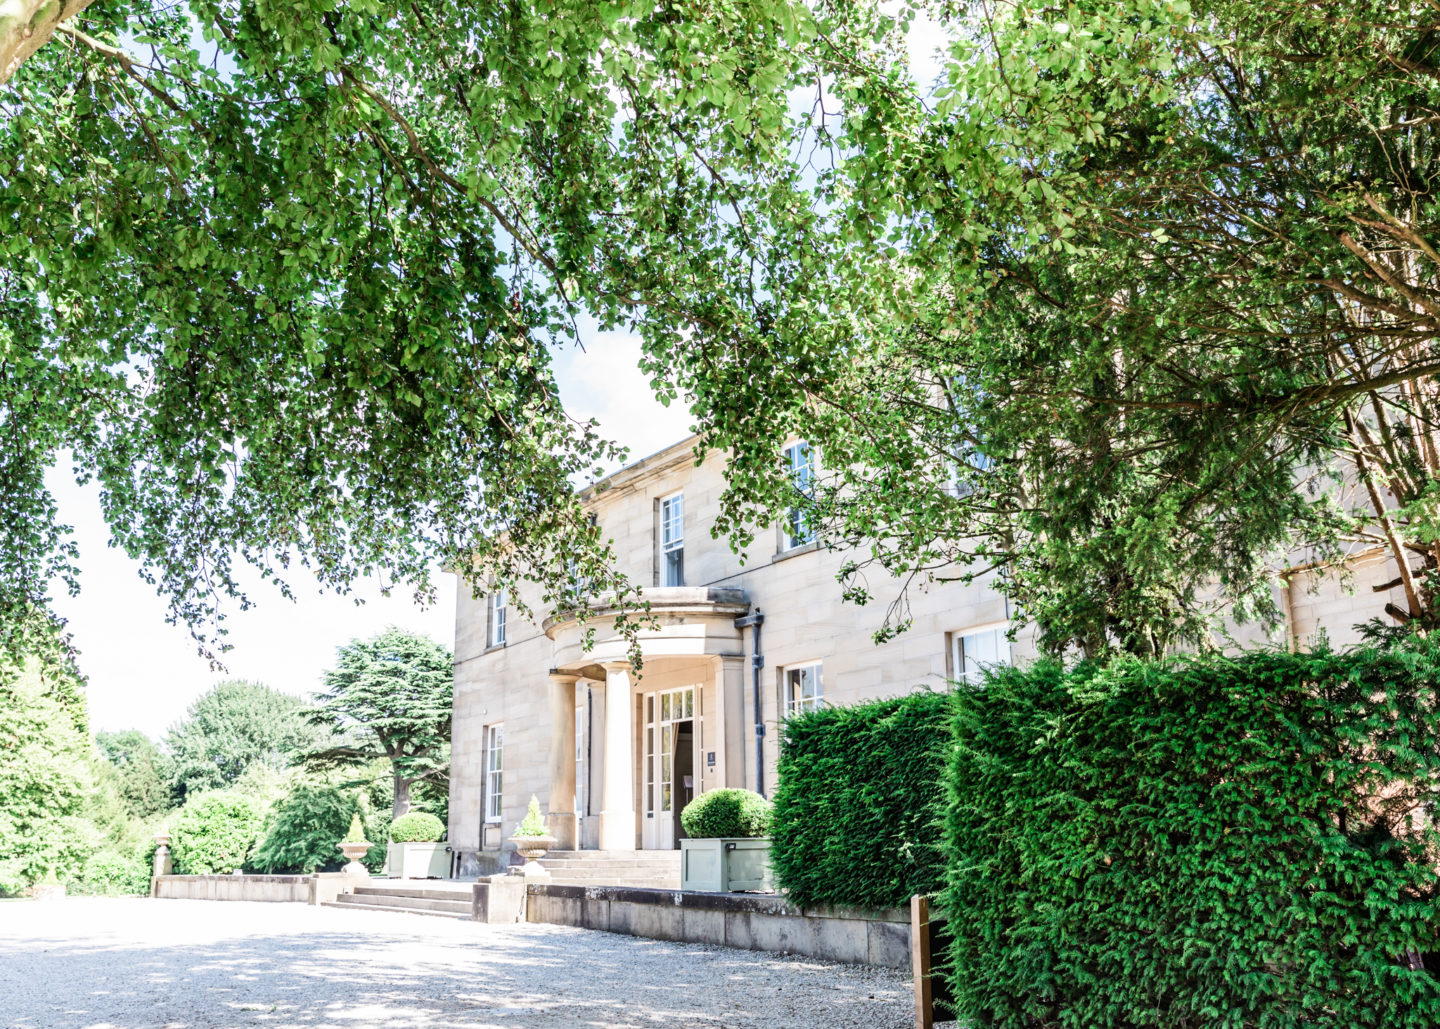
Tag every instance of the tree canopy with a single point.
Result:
(232, 727)
(143, 779)
(388, 697)
(1096, 313)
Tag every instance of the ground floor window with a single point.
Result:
(494, 771)
(803, 688)
(974, 650)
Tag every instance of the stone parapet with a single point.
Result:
(747, 921)
(273, 888)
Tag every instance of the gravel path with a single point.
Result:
(185, 964)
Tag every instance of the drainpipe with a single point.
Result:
(757, 662)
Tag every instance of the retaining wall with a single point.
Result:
(291, 888)
(747, 921)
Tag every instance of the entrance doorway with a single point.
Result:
(669, 766)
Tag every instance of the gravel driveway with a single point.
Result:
(185, 964)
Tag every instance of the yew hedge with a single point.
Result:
(1206, 842)
(859, 806)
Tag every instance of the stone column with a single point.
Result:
(561, 816)
(617, 804)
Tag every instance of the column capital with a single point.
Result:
(556, 675)
(617, 666)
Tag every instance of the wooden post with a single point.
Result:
(920, 961)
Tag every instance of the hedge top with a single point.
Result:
(726, 814)
(416, 827)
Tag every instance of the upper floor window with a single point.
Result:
(803, 689)
(800, 463)
(498, 603)
(975, 650)
(672, 540)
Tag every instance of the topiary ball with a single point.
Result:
(416, 827)
(727, 813)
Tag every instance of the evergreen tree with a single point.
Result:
(230, 728)
(389, 697)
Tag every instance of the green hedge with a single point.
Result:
(858, 809)
(214, 832)
(303, 832)
(1205, 842)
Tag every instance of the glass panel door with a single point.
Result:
(664, 711)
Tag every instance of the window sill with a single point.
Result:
(492, 648)
(804, 548)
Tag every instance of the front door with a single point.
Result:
(670, 732)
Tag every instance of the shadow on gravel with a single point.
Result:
(413, 980)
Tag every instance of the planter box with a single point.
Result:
(417, 860)
(725, 865)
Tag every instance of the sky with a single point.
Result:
(143, 673)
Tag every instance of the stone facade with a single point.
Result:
(696, 648)
(604, 785)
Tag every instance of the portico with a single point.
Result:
(647, 738)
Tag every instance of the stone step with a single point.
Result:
(611, 855)
(392, 910)
(601, 874)
(401, 900)
(611, 866)
(463, 892)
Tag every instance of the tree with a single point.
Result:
(303, 830)
(231, 727)
(1208, 218)
(143, 778)
(45, 776)
(389, 697)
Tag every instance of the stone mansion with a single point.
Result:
(614, 755)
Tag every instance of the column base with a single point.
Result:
(617, 830)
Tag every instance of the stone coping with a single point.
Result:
(695, 900)
(248, 878)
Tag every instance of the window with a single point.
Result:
(800, 462)
(802, 689)
(672, 540)
(966, 466)
(975, 650)
(498, 600)
(494, 768)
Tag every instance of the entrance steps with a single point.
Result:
(658, 869)
(445, 898)
(414, 897)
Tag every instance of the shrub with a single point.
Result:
(860, 802)
(726, 813)
(303, 830)
(1199, 842)
(534, 822)
(214, 832)
(416, 827)
(112, 874)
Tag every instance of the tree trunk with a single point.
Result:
(26, 25)
(402, 797)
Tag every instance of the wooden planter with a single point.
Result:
(417, 860)
(725, 865)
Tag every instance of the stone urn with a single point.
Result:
(532, 848)
(354, 850)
